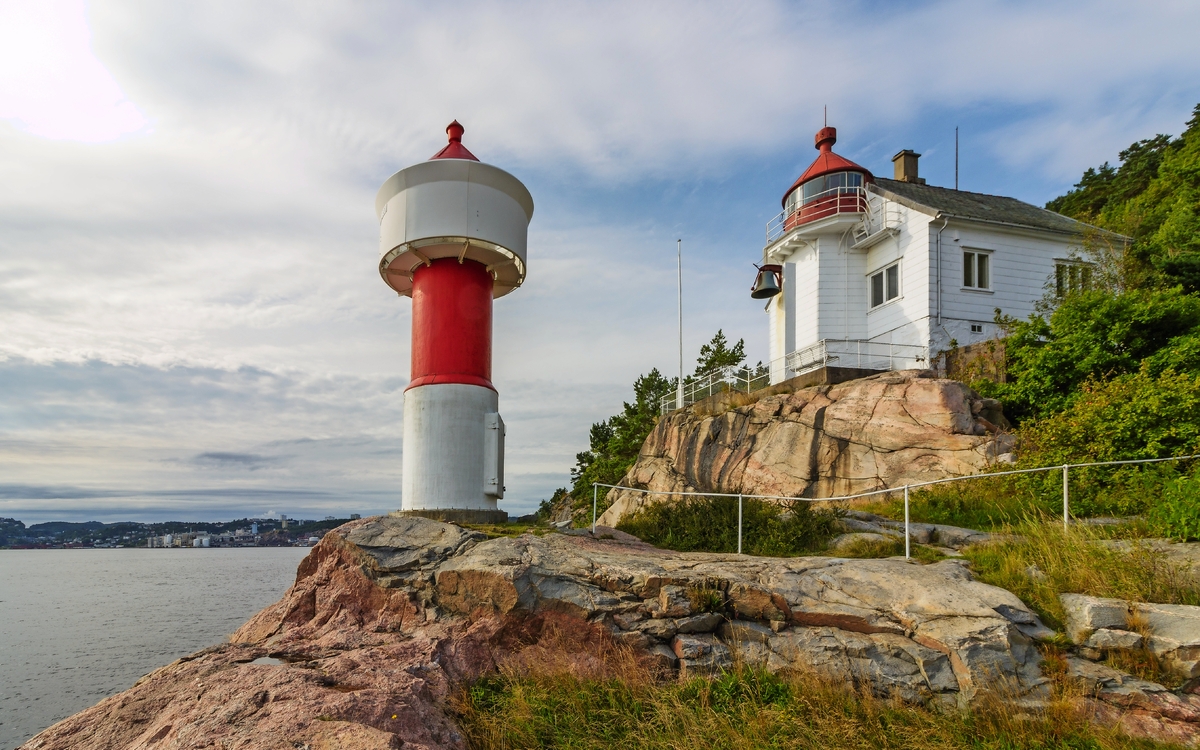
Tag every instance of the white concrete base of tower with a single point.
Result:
(453, 452)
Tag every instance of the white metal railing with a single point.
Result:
(840, 200)
(881, 215)
(859, 354)
(733, 378)
(1066, 492)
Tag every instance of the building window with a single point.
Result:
(977, 270)
(976, 328)
(885, 285)
(1071, 277)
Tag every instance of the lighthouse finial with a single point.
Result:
(454, 148)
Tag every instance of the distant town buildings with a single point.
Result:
(246, 532)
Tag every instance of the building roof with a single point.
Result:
(454, 149)
(827, 162)
(959, 204)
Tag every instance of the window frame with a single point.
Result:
(1071, 277)
(884, 282)
(971, 268)
(844, 182)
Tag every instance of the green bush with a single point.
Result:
(1090, 336)
(1176, 513)
(985, 503)
(709, 524)
(993, 502)
(1139, 415)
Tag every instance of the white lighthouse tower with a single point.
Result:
(452, 235)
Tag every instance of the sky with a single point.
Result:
(192, 324)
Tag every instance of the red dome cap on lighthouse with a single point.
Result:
(827, 162)
(454, 149)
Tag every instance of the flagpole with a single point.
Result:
(679, 266)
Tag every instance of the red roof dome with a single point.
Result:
(454, 149)
(827, 162)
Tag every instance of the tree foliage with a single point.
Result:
(613, 444)
(1136, 415)
(1107, 186)
(1091, 336)
(1153, 197)
(1141, 308)
(717, 353)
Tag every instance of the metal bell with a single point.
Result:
(766, 285)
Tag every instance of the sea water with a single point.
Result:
(77, 626)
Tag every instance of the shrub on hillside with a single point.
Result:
(709, 524)
(1176, 512)
(1140, 415)
(1135, 416)
(1090, 336)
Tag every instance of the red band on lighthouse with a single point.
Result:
(452, 324)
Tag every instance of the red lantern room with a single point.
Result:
(831, 185)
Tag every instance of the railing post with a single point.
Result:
(907, 536)
(1066, 495)
(594, 491)
(739, 524)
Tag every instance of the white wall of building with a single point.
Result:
(903, 320)
(1022, 264)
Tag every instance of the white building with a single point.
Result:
(882, 274)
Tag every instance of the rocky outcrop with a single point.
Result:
(1140, 707)
(389, 617)
(882, 431)
(859, 525)
(1171, 632)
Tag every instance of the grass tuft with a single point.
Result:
(1037, 560)
(748, 709)
(498, 530)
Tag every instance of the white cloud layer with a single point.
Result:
(188, 301)
(54, 86)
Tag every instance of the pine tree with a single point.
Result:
(716, 354)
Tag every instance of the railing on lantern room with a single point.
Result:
(839, 200)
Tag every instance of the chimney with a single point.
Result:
(906, 166)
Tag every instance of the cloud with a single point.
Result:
(54, 86)
(225, 459)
